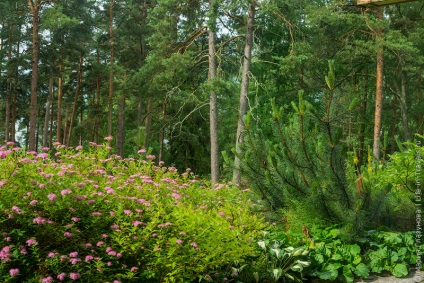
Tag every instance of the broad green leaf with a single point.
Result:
(347, 273)
(400, 270)
(362, 270)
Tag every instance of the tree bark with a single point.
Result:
(363, 121)
(120, 129)
(162, 131)
(243, 93)
(112, 61)
(47, 113)
(394, 121)
(403, 106)
(34, 8)
(213, 116)
(9, 87)
(148, 123)
(74, 107)
(59, 100)
(379, 90)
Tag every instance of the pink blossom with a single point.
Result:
(47, 279)
(150, 156)
(66, 192)
(14, 272)
(175, 195)
(39, 220)
(74, 260)
(114, 226)
(89, 257)
(16, 209)
(96, 213)
(22, 250)
(75, 219)
(79, 147)
(193, 244)
(109, 263)
(67, 234)
(179, 242)
(109, 190)
(100, 243)
(105, 236)
(51, 254)
(42, 186)
(31, 242)
(127, 212)
(113, 253)
(61, 276)
(74, 276)
(51, 196)
(73, 254)
(141, 151)
(134, 268)
(33, 202)
(116, 281)
(136, 223)
(108, 138)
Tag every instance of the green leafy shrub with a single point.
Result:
(390, 251)
(93, 217)
(332, 258)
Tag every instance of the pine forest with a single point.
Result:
(211, 140)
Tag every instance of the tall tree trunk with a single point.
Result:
(148, 123)
(7, 120)
(34, 8)
(379, 89)
(213, 119)
(15, 90)
(74, 107)
(59, 99)
(420, 129)
(9, 86)
(243, 93)
(112, 61)
(394, 121)
(65, 126)
(120, 129)
(363, 121)
(47, 113)
(403, 106)
(162, 131)
(97, 103)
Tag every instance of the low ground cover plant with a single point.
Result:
(72, 215)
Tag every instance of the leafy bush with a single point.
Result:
(93, 217)
(332, 258)
(390, 251)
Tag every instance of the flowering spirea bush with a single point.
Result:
(69, 215)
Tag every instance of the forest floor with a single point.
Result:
(413, 277)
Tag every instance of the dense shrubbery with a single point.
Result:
(73, 215)
(97, 218)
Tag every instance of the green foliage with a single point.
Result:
(333, 259)
(275, 260)
(103, 218)
(390, 251)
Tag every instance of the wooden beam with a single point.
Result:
(380, 2)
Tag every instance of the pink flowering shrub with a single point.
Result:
(87, 216)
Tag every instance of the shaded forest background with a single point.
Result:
(77, 71)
